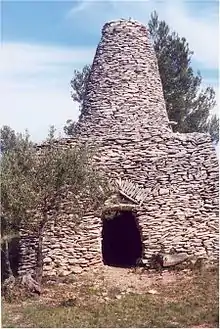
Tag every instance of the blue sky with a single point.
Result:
(44, 41)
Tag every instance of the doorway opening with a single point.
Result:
(121, 240)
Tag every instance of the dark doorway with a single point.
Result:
(121, 240)
(14, 258)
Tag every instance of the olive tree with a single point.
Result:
(35, 180)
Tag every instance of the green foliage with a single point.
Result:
(16, 194)
(186, 103)
(79, 83)
(34, 179)
(38, 179)
(69, 127)
(8, 138)
(213, 128)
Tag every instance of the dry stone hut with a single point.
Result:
(172, 197)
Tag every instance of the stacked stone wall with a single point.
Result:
(180, 211)
(124, 118)
(124, 89)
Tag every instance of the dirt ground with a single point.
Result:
(136, 280)
(120, 297)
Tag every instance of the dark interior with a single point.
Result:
(14, 257)
(121, 240)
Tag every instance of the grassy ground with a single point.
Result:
(190, 301)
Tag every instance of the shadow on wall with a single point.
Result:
(14, 256)
(121, 240)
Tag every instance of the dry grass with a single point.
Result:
(190, 301)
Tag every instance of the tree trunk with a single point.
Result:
(28, 282)
(7, 259)
(39, 255)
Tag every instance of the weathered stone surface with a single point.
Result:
(163, 191)
(124, 117)
(174, 259)
(47, 260)
(76, 269)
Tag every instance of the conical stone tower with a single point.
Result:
(124, 92)
(124, 115)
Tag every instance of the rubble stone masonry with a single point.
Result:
(124, 116)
